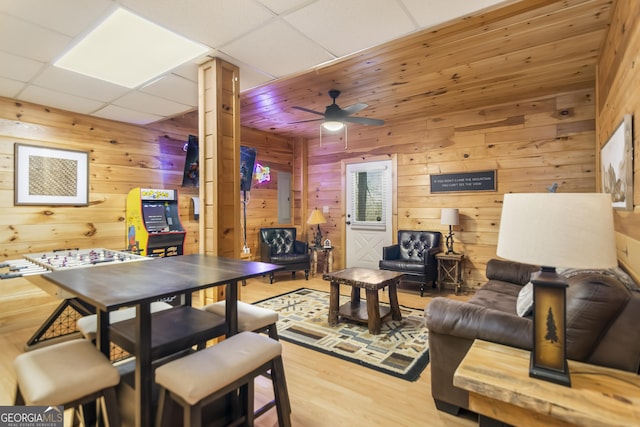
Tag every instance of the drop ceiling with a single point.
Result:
(270, 40)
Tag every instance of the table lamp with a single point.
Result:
(317, 218)
(555, 229)
(450, 217)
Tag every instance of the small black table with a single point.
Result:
(111, 287)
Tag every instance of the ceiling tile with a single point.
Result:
(77, 84)
(188, 71)
(120, 114)
(282, 6)
(174, 88)
(270, 49)
(70, 17)
(139, 101)
(10, 88)
(28, 40)
(331, 23)
(429, 13)
(51, 98)
(18, 68)
(212, 22)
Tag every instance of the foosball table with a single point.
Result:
(34, 267)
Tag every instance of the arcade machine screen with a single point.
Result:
(154, 218)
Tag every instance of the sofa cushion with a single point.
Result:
(406, 266)
(497, 295)
(284, 259)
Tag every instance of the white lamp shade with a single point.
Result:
(558, 230)
(449, 216)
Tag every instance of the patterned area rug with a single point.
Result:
(400, 350)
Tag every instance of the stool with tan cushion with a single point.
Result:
(88, 325)
(70, 374)
(196, 380)
(250, 317)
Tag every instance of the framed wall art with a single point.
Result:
(51, 176)
(616, 165)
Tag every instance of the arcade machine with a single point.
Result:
(153, 224)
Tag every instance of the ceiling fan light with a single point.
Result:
(332, 125)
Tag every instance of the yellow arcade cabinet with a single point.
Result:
(153, 224)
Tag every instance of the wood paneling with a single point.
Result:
(521, 50)
(276, 153)
(618, 93)
(121, 157)
(531, 143)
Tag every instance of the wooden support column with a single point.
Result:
(219, 130)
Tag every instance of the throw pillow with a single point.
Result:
(524, 303)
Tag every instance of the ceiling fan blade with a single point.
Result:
(309, 111)
(305, 121)
(352, 109)
(364, 121)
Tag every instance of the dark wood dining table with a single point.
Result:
(153, 335)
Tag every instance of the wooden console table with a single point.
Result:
(497, 378)
(450, 271)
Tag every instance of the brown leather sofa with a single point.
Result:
(602, 324)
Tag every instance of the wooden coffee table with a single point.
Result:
(372, 281)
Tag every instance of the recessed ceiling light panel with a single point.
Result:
(128, 50)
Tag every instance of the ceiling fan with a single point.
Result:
(335, 117)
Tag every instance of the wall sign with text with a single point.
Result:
(463, 181)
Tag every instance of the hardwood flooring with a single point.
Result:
(324, 390)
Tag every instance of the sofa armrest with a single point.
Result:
(430, 256)
(391, 252)
(471, 321)
(265, 252)
(300, 247)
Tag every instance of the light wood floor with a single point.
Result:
(324, 390)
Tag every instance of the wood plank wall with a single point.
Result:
(122, 157)
(618, 93)
(530, 143)
(276, 153)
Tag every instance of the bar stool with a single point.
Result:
(88, 325)
(70, 374)
(250, 317)
(196, 380)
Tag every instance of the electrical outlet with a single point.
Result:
(325, 209)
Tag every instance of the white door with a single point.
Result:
(368, 212)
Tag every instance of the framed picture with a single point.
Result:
(51, 176)
(616, 165)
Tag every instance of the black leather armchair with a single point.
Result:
(278, 245)
(414, 255)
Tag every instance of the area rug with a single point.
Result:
(401, 349)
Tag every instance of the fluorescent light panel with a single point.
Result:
(129, 50)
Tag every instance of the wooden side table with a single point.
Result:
(372, 281)
(499, 385)
(328, 259)
(450, 271)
